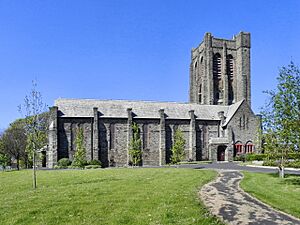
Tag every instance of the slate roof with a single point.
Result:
(141, 109)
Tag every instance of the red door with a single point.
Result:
(221, 153)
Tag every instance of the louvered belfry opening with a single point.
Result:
(217, 79)
(229, 69)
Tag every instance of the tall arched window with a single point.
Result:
(200, 93)
(217, 78)
(229, 70)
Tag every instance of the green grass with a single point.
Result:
(105, 196)
(282, 194)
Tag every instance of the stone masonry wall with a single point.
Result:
(113, 139)
(67, 131)
(245, 126)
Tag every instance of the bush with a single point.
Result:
(64, 162)
(265, 157)
(94, 162)
(294, 164)
(270, 163)
(178, 147)
(57, 167)
(92, 167)
(240, 158)
(257, 157)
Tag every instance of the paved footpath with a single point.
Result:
(225, 199)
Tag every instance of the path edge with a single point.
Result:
(263, 203)
(202, 200)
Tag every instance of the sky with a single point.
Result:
(132, 49)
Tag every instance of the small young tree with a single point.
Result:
(178, 147)
(79, 157)
(135, 147)
(33, 108)
(281, 116)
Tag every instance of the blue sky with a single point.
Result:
(132, 49)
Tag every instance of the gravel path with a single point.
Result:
(225, 199)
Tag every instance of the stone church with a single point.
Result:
(217, 123)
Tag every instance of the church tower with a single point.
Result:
(220, 71)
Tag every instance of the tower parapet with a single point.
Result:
(220, 70)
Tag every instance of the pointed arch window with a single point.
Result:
(217, 78)
(238, 148)
(229, 70)
(112, 130)
(249, 147)
(200, 93)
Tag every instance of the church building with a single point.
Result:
(217, 123)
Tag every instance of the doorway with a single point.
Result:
(44, 159)
(221, 153)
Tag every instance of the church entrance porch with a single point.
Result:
(221, 153)
(220, 150)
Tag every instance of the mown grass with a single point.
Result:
(282, 194)
(105, 196)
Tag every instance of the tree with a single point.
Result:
(178, 147)
(135, 146)
(33, 108)
(4, 158)
(14, 142)
(281, 116)
(79, 157)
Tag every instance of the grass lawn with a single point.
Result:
(282, 194)
(105, 196)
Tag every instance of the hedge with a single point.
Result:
(261, 157)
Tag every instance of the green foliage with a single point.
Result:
(64, 162)
(79, 157)
(92, 167)
(274, 156)
(94, 162)
(270, 162)
(13, 142)
(56, 167)
(178, 147)
(281, 114)
(241, 157)
(294, 164)
(135, 146)
(4, 160)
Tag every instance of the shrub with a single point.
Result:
(135, 146)
(240, 158)
(64, 162)
(294, 164)
(94, 162)
(92, 167)
(270, 163)
(79, 157)
(178, 147)
(252, 157)
(57, 167)
(266, 157)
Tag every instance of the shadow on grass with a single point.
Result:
(292, 180)
(289, 179)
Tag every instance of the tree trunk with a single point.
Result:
(18, 163)
(281, 167)
(281, 171)
(34, 171)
